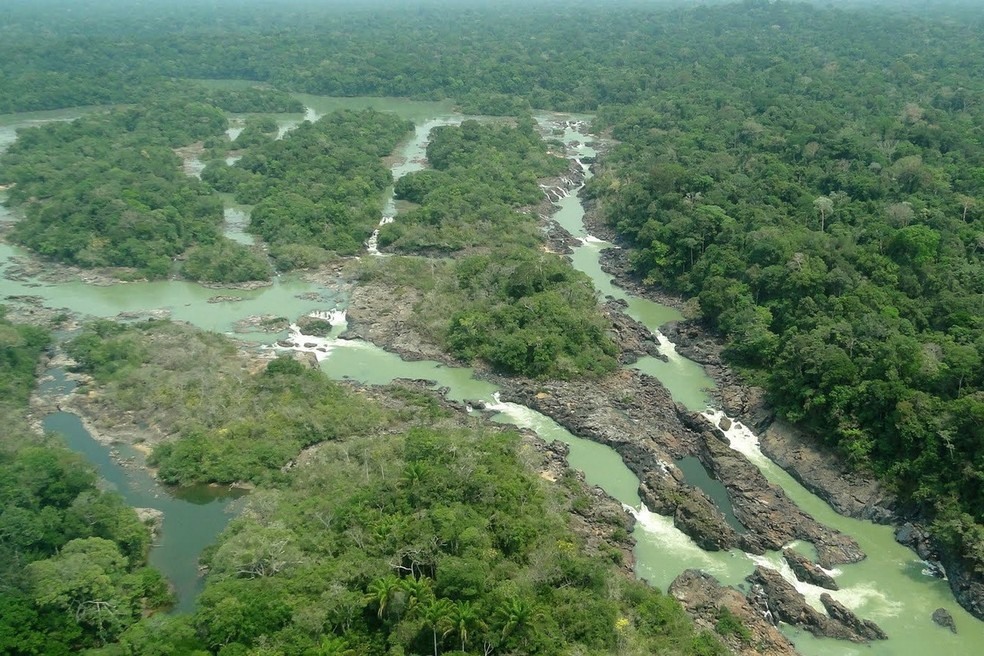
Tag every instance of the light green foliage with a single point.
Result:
(428, 541)
(231, 425)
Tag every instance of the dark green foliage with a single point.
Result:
(831, 229)
(524, 312)
(20, 348)
(530, 314)
(482, 173)
(226, 261)
(318, 187)
(257, 131)
(108, 190)
(71, 556)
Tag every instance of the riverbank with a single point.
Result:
(821, 472)
(825, 474)
(633, 414)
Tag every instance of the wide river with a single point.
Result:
(891, 586)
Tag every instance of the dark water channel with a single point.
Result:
(192, 516)
(697, 475)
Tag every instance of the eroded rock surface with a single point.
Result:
(943, 617)
(808, 571)
(849, 492)
(786, 604)
(706, 601)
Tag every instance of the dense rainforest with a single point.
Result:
(107, 190)
(318, 189)
(812, 178)
(72, 557)
(383, 522)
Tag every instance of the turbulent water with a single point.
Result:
(889, 587)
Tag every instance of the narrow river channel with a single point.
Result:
(889, 587)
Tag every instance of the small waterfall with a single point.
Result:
(740, 437)
(334, 317)
(372, 244)
(669, 537)
(669, 349)
(321, 347)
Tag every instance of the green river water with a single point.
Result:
(890, 586)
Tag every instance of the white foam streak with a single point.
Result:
(321, 347)
(857, 597)
(668, 348)
(740, 438)
(669, 538)
(372, 244)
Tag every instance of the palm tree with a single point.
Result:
(437, 617)
(419, 591)
(381, 592)
(465, 618)
(333, 646)
(514, 614)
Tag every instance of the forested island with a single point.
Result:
(804, 183)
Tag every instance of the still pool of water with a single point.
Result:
(192, 516)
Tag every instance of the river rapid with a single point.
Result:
(891, 586)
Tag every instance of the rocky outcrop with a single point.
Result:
(918, 539)
(865, 629)
(943, 617)
(734, 395)
(826, 475)
(808, 571)
(634, 414)
(692, 511)
(560, 187)
(635, 340)
(559, 239)
(152, 518)
(762, 507)
(384, 316)
(707, 601)
(787, 605)
(599, 519)
(966, 584)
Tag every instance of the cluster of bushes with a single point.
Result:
(481, 175)
(232, 426)
(321, 186)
